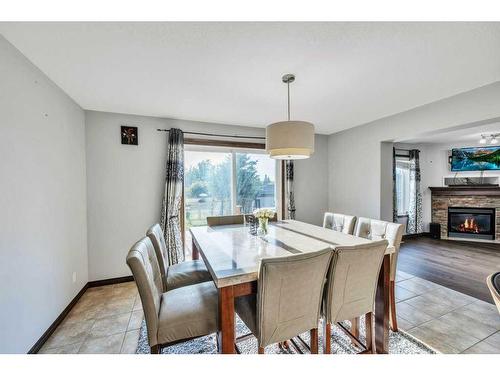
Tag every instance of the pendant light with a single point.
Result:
(290, 140)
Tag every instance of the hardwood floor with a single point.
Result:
(461, 266)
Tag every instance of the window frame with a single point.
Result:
(233, 147)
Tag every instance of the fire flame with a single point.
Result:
(469, 225)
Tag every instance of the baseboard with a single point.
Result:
(416, 235)
(91, 284)
(43, 339)
(115, 280)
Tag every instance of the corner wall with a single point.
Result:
(43, 225)
(125, 184)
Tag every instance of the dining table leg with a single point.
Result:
(226, 335)
(382, 308)
(195, 252)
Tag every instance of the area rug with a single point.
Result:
(399, 343)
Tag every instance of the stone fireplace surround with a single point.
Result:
(464, 196)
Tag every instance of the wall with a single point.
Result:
(355, 155)
(311, 184)
(125, 184)
(43, 230)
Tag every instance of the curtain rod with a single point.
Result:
(402, 149)
(216, 135)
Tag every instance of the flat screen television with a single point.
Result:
(475, 159)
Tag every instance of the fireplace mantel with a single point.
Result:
(466, 191)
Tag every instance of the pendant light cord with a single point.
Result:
(288, 88)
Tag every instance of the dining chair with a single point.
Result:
(393, 233)
(176, 275)
(288, 299)
(493, 282)
(174, 316)
(213, 221)
(350, 290)
(339, 222)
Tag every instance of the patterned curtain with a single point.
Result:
(415, 205)
(289, 199)
(394, 192)
(172, 200)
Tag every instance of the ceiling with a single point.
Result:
(347, 73)
(470, 135)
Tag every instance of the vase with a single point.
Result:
(263, 226)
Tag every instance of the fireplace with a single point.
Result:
(470, 222)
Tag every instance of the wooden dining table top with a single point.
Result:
(232, 255)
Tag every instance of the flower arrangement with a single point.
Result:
(263, 214)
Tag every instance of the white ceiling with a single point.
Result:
(470, 135)
(347, 73)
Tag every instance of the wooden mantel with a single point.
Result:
(466, 190)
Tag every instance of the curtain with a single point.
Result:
(172, 200)
(415, 205)
(289, 198)
(394, 192)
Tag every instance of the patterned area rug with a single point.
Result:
(399, 343)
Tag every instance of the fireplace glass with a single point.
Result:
(468, 222)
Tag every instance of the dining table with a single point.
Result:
(232, 255)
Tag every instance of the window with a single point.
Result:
(402, 185)
(220, 181)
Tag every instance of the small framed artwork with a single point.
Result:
(129, 135)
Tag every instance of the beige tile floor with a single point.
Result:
(107, 320)
(449, 321)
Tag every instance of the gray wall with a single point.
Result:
(125, 183)
(43, 228)
(311, 183)
(355, 158)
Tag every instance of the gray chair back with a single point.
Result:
(377, 230)
(155, 234)
(289, 295)
(352, 280)
(339, 222)
(144, 266)
(493, 282)
(213, 221)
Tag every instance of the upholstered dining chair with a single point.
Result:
(339, 222)
(213, 221)
(350, 290)
(288, 299)
(174, 316)
(393, 233)
(493, 282)
(177, 275)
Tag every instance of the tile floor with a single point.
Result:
(448, 321)
(107, 320)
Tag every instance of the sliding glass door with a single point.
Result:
(255, 181)
(221, 181)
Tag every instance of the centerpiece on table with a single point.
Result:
(263, 214)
